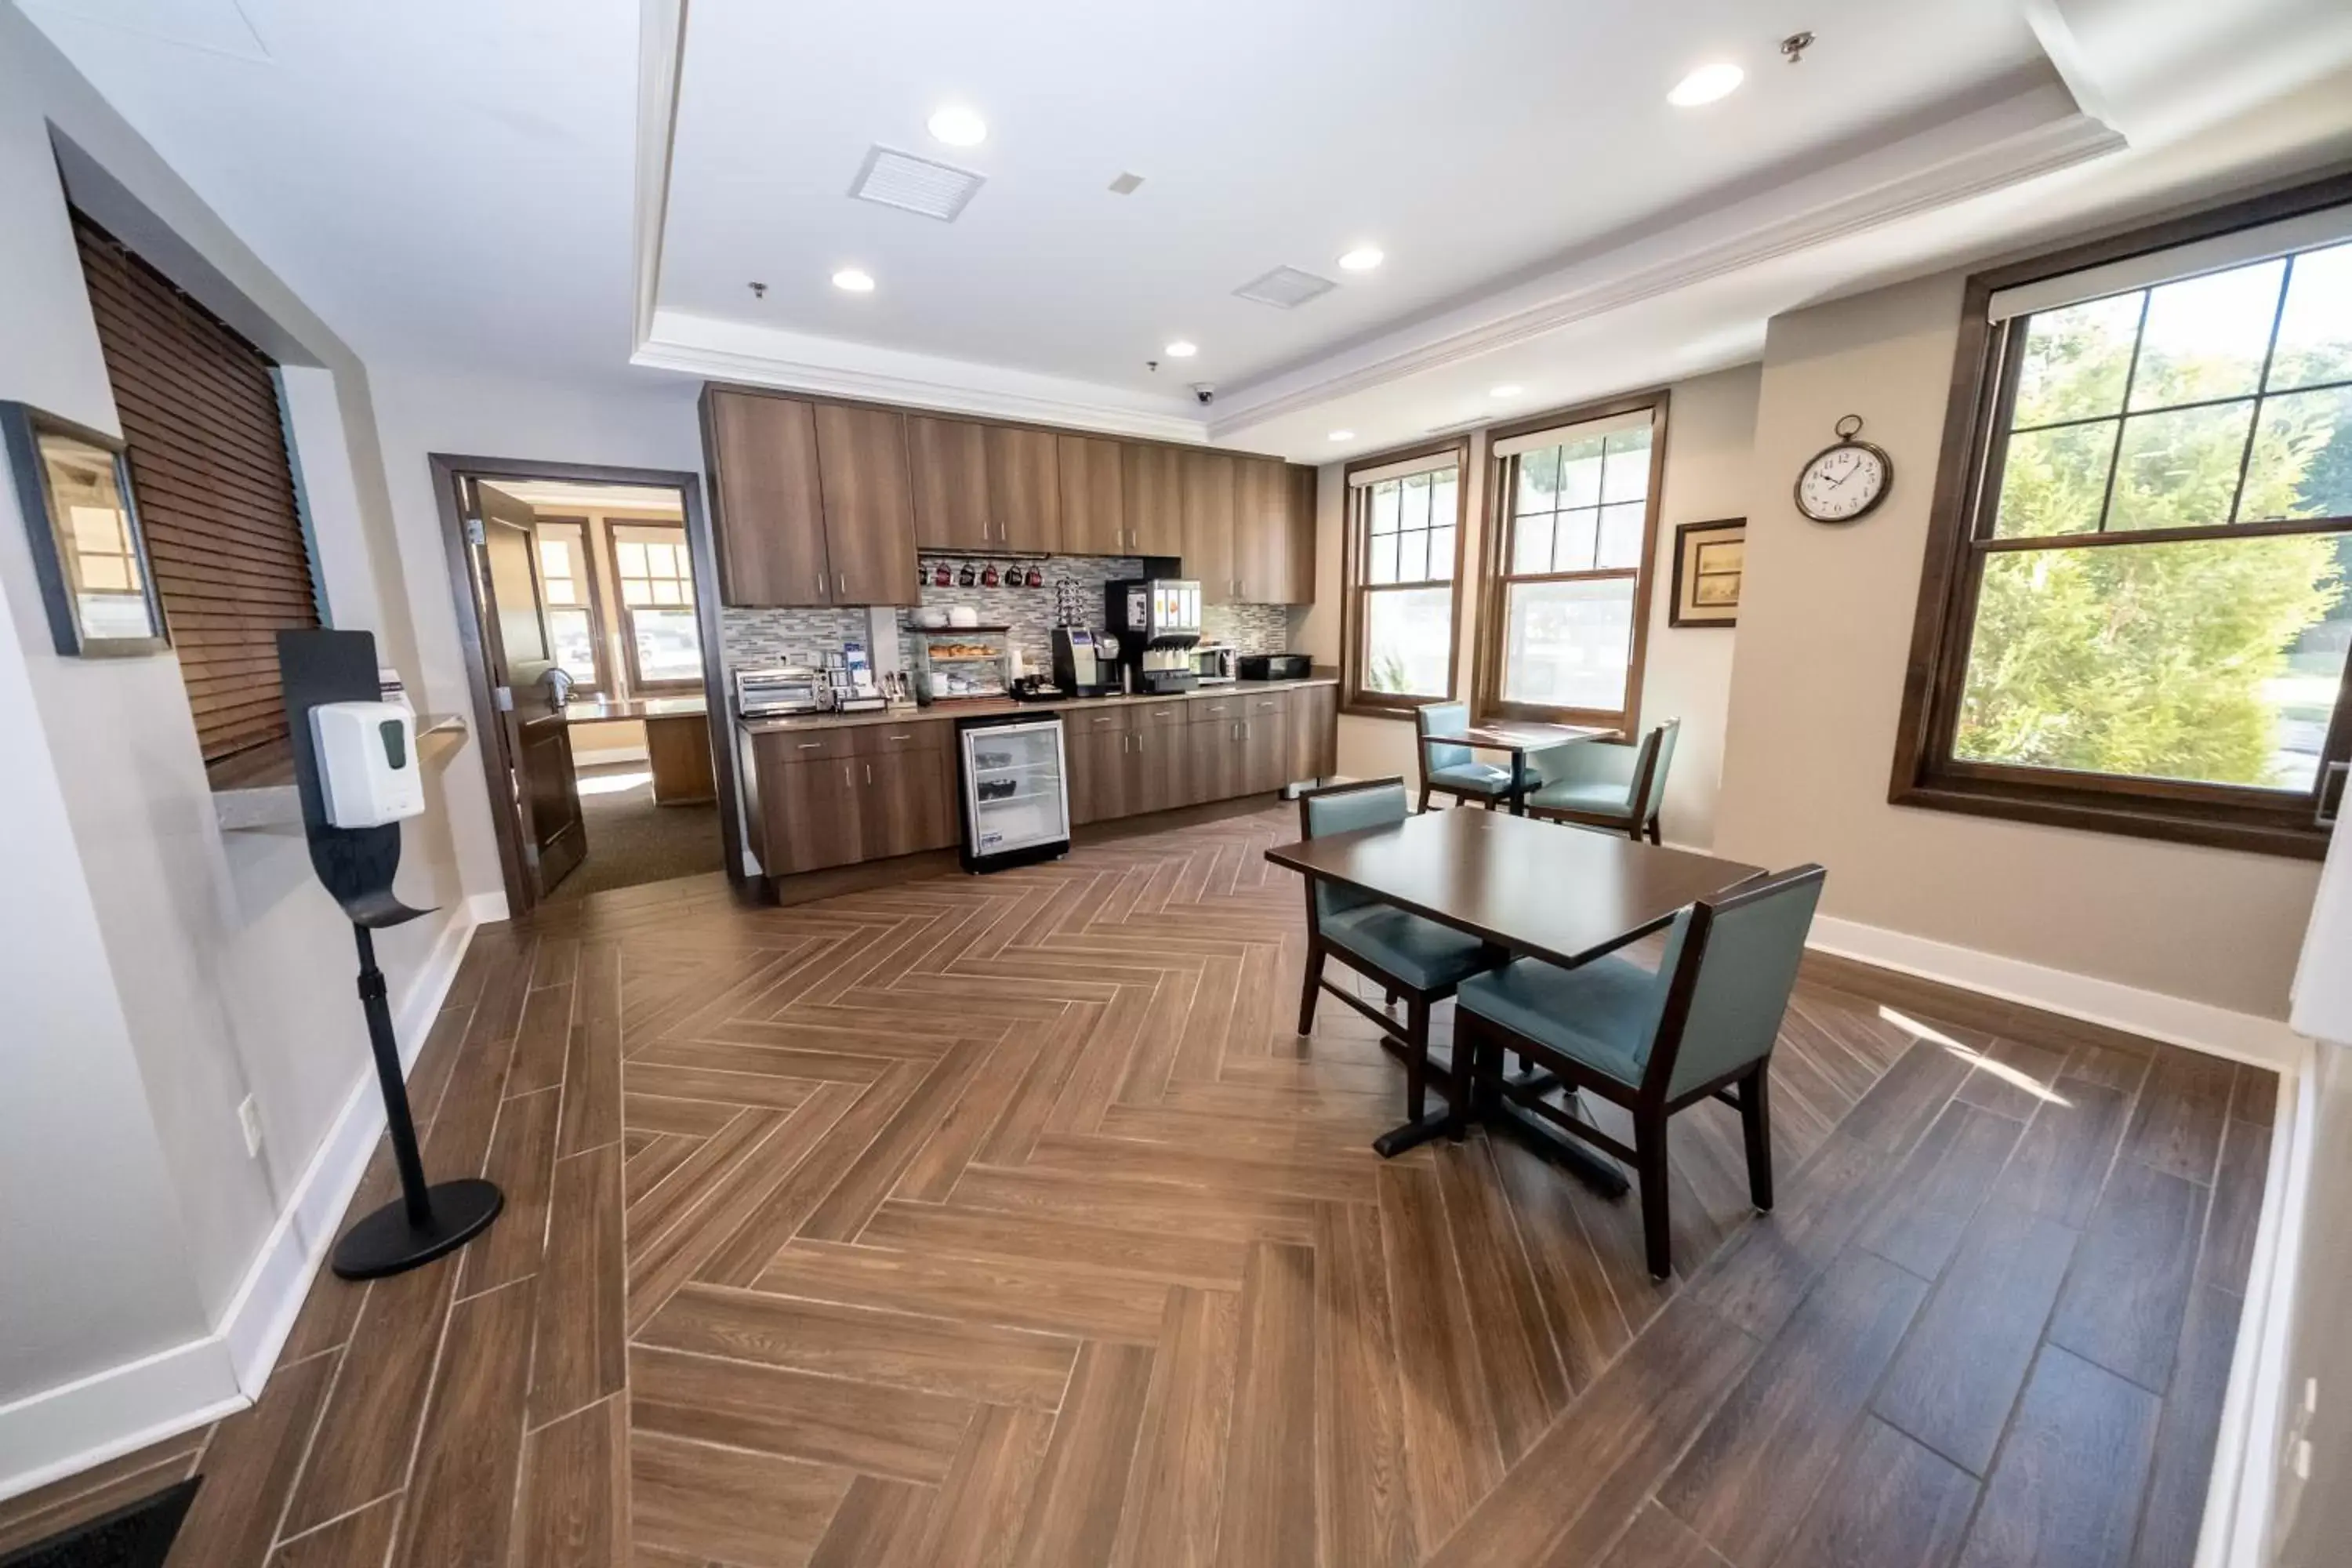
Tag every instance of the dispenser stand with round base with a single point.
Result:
(424, 1222)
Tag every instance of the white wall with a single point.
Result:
(1710, 426)
(221, 969)
(635, 419)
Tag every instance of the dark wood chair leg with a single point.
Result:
(1756, 1121)
(1655, 838)
(1313, 988)
(1416, 1057)
(1392, 998)
(1424, 798)
(1650, 1147)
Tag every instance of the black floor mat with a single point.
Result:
(138, 1535)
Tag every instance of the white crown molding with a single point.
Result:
(2033, 133)
(836, 367)
(661, 60)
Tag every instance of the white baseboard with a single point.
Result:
(61, 1431)
(487, 908)
(2176, 1020)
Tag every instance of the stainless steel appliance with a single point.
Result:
(1275, 667)
(1213, 663)
(1080, 666)
(768, 690)
(1016, 803)
(1156, 621)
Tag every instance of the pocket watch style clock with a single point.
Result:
(1845, 482)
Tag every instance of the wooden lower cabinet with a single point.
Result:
(826, 798)
(907, 802)
(819, 798)
(1314, 732)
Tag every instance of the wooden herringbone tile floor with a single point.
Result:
(1005, 1221)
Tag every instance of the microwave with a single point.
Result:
(771, 691)
(1213, 664)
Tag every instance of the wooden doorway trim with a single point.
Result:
(449, 472)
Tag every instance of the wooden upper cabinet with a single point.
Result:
(948, 460)
(1093, 495)
(1260, 536)
(1025, 487)
(869, 514)
(1154, 484)
(1209, 483)
(1301, 515)
(770, 512)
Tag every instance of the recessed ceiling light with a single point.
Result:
(1707, 84)
(1363, 258)
(1508, 389)
(1180, 349)
(958, 126)
(851, 280)
(1343, 434)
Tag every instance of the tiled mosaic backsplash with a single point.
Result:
(771, 637)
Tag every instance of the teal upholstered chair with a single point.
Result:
(1453, 770)
(1417, 959)
(1702, 1024)
(1604, 784)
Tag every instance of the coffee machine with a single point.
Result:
(1156, 621)
(1082, 666)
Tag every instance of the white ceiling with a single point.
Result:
(467, 185)
(1470, 143)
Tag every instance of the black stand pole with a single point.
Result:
(356, 865)
(427, 1221)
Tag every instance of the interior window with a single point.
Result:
(657, 583)
(1402, 549)
(2151, 600)
(1572, 581)
(566, 586)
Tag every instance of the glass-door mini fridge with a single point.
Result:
(1016, 803)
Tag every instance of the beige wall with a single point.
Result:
(1710, 425)
(1824, 634)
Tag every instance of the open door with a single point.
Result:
(527, 685)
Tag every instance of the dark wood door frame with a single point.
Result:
(448, 472)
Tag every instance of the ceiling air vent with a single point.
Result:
(901, 180)
(1284, 287)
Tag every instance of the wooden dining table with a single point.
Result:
(1562, 894)
(1518, 740)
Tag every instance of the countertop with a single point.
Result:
(987, 708)
(604, 710)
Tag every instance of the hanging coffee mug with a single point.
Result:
(968, 577)
(988, 578)
(942, 577)
(1035, 579)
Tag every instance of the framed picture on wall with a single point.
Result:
(1709, 559)
(73, 486)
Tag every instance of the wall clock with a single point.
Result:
(1846, 481)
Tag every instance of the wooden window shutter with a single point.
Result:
(216, 492)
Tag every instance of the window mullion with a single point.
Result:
(2123, 414)
(2262, 382)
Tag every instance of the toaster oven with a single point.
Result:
(771, 691)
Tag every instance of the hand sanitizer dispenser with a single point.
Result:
(367, 763)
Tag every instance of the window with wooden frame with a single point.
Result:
(658, 633)
(567, 577)
(1572, 533)
(206, 437)
(1403, 568)
(2138, 595)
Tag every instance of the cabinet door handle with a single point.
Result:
(898, 737)
(869, 772)
(1122, 744)
(842, 577)
(810, 745)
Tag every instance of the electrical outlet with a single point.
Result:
(248, 1117)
